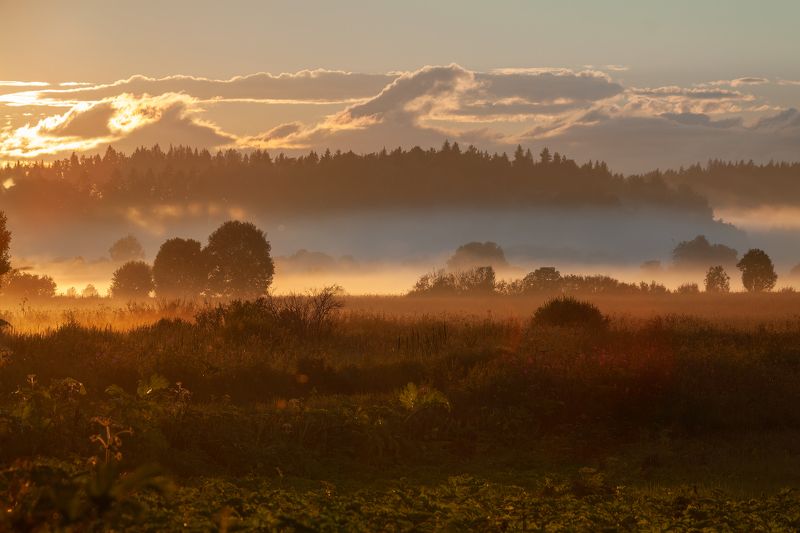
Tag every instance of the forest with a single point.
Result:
(415, 178)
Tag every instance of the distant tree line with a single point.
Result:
(236, 263)
(462, 278)
(449, 176)
(738, 182)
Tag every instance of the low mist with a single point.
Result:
(386, 251)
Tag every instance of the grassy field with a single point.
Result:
(678, 412)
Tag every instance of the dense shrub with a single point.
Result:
(567, 311)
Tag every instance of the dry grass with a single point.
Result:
(734, 309)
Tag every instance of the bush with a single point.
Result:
(567, 311)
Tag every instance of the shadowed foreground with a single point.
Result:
(291, 414)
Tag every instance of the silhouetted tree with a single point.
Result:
(699, 253)
(717, 280)
(134, 279)
(475, 254)
(758, 272)
(544, 156)
(477, 280)
(126, 249)
(544, 279)
(522, 159)
(180, 269)
(5, 246)
(239, 261)
(90, 292)
(24, 285)
(438, 282)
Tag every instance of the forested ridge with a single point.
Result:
(415, 178)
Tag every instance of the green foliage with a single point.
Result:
(49, 495)
(149, 388)
(416, 399)
(55, 496)
(314, 423)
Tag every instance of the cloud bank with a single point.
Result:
(585, 113)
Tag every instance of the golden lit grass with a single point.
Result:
(739, 308)
(735, 309)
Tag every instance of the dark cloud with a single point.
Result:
(549, 86)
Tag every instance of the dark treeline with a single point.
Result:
(448, 177)
(738, 183)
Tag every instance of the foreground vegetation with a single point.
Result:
(294, 414)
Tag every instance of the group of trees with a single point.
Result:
(478, 280)
(449, 176)
(236, 263)
(758, 272)
(544, 280)
(758, 275)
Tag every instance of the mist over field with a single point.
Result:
(373, 219)
(399, 266)
(391, 249)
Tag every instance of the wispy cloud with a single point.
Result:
(739, 82)
(8, 83)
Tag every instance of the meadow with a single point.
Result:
(326, 412)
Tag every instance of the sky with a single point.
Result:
(640, 84)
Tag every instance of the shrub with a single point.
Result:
(567, 311)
